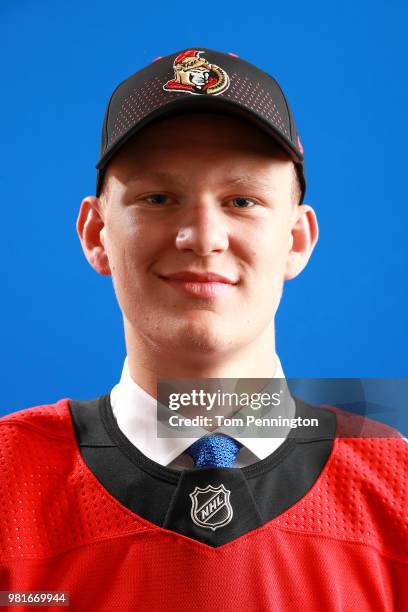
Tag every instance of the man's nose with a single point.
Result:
(203, 231)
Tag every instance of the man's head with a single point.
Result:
(199, 213)
(199, 192)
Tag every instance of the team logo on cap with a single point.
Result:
(193, 74)
(211, 507)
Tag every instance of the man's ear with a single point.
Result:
(305, 233)
(90, 225)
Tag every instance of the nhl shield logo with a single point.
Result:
(211, 507)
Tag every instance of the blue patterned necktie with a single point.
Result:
(215, 450)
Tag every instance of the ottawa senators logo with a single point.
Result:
(194, 75)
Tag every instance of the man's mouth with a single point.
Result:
(200, 284)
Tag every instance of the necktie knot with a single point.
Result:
(215, 450)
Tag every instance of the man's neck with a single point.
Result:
(147, 364)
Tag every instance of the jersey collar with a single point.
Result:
(135, 412)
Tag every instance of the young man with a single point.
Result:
(199, 219)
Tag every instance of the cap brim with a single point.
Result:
(193, 104)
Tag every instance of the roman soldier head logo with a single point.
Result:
(193, 74)
(211, 507)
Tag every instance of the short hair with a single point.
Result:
(297, 191)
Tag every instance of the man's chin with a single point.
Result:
(203, 335)
(206, 335)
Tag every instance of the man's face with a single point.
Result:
(206, 193)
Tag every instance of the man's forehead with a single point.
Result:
(182, 178)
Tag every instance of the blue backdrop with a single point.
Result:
(343, 68)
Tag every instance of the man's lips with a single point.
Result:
(200, 284)
(200, 277)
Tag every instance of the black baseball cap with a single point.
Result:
(196, 80)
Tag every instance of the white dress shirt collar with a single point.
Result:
(136, 415)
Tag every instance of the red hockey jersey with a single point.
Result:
(321, 524)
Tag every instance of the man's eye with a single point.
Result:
(156, 198)
(243, 203)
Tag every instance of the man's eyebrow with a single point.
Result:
(157, 174)
(250, 181)
(241, 180)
